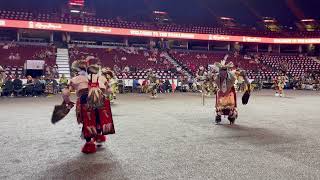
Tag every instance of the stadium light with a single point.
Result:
(76, 3)
(307, 20)
(226, 18)
(74, 11)
(160, 12)
(269, 21)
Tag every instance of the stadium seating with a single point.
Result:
(265, 67)
(48, 17)
(15, 66)
(295, 65)
(138, 60)
(193, 59)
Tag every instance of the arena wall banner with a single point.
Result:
(34, 64)
(150, 33)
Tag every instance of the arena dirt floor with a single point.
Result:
(171, 137)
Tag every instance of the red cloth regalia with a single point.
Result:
(93, 109)
(226, 97)
(95, 121)
(226, 103)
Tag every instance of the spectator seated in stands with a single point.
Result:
(43, 81)
(162, 54)
(126, 69)
(17, 86)
(192, 67)
(63, 82)
(37, 88)
(123, 58)
(51, 71)
(317, 84)
(204, 56)
(29, 86)
(124, 76)
(136, 87)
(295, 82)
(167, 86)
(52, 86)
(161, 88)
(154, 59)
(165, 62)
(116, 69)
(12, 57)
(17, 56)
(7, 87)
(115, 59)
(47, 70)
(55, 71)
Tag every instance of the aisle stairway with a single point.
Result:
(63, 62)
(175, 63)
(315, 59)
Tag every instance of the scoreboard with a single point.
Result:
(76, 3)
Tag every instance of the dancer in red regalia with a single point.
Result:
(226, 97)
(92, 107)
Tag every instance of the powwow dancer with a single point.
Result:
(112, 82)
(209, 85)
(92, 108)
(153, 84)
(240, 83)
(226, 97)
(201, 77)
(279, 84)
(2, 78)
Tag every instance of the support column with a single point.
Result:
(300, 48)
(68, 37)
(18, 36)
(126, 41)
(229, 47)
(279, 50)
(208, 46)
(257, 48)
(51, 37)
(188, 45)
(269, 48)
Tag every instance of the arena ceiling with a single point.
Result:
(204, 12)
